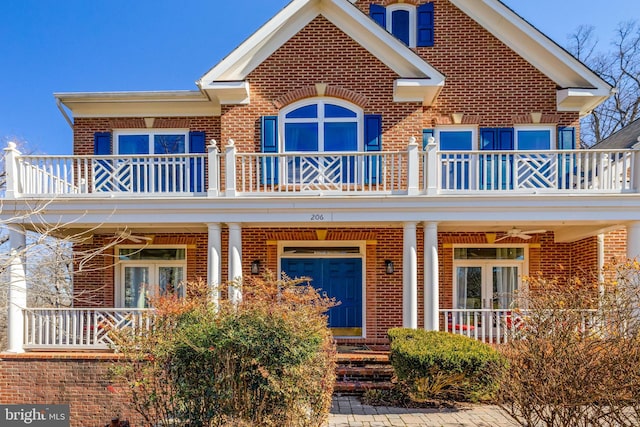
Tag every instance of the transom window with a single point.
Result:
(140, 141)
(322, 125)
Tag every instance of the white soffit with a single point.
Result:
(541, 52)
(293, 18)
(138, 104)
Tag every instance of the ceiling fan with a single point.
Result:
(127, 235)
(520, 234)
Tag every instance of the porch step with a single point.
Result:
(360, 371)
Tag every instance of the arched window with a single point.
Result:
(414, 26)
(321, 125)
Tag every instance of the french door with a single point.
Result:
(482, 288)
(140, 282)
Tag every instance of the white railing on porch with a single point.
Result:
(79, 328)
(497, 326)
(411, 172)
(528, 171)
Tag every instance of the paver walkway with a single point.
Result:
(347, 411)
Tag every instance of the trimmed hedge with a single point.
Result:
(440, 365)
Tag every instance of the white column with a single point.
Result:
(17, 295)
(235, 263)
(11, 155)
(431, 284)
(214, 264)
(230, 169)
(213, 161)
(633, 240)
(432, 167)
(410, 277)
(413, 168)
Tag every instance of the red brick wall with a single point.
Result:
(84, 128)
(485, 79)
(615, 246)
(81, 380)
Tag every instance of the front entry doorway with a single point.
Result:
(339, 278)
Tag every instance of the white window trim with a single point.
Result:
(321, 101)
(552, 132)
(121, 264)
(458, 128)
(151, 133)
(522, 264)
(337, 244)
(413, 20)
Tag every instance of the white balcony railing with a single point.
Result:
(526, 171)
(79, 328)
(411, 172)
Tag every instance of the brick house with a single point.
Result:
(416, 159)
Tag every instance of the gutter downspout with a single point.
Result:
(600, 249)
(64, 113)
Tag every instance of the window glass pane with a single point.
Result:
(168, 144)
(136, 287)
(301, 136)
(133, 254)
(306, 112)
(331, 110)
(455, 140)
(534, 140)
(341, 136)
(489, 253)
(400, 25)
(133, 144)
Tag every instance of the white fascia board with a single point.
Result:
(581, 100)
(260, 45)
(138, 104)
(416, 90)
(229, 92)
(293, 18)
(532, 45)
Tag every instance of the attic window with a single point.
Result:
(411, 25)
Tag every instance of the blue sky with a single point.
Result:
(49, 46)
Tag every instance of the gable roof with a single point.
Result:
(626, 137)
(579, 88)
(418, 81)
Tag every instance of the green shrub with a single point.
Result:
(439, 365)
(269, 361)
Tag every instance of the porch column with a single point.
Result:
(431, 279)
(410, 277)
(17, 295)
(235, 263)
(633, 240)
(214, 265)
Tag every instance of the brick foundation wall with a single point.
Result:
(81, 380)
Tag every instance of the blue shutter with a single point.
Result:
(197, 164)
(269, 144)
(496, 138)
(379, 14)
(566, 138)
(102, 143)
(502, 165)
(425, 36)
(566, 141)
(426, 134)
(372, 142)
(197, 142)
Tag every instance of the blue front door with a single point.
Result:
(339, 278)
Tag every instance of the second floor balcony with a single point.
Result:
(413, 172)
